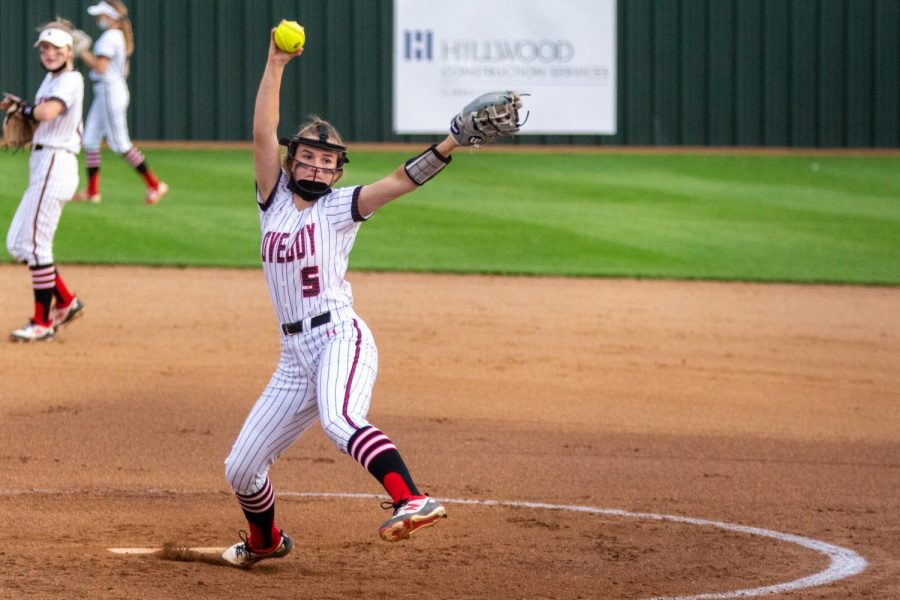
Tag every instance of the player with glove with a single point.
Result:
(329, 360)
(55, 117)
(18, 127)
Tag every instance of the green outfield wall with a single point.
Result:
(805, 73)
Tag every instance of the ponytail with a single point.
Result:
(124, 25)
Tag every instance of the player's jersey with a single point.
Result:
(65, 130)
(111, 45)
(305, 253)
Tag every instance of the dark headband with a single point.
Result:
(322, 143)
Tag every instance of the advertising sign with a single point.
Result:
(560, 52)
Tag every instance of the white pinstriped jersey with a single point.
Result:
(305, 253)
(65, 130)
(108, 115)
(111, 44)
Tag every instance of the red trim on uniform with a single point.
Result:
(352, 372)
(37, 212)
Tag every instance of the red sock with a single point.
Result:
(41, 314)
(93, 186)
(397, 488)
(63, 296)
(257, 534)
(150, 179)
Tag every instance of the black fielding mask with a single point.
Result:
(306, 189)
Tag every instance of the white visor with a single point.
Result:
(104, 8)
(57, 37)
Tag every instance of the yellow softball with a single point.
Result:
(289, 36)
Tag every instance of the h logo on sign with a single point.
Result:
(417, 45)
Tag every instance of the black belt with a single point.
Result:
(317, 321)
(37, 147)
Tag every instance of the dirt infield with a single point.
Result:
(769, 406)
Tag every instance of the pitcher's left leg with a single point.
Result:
(346, 377)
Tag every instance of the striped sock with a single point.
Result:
(136, 159)
(43, 281)
(376, 452)
(92, 160)
(259, 509)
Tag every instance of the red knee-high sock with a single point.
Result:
(259, 509)
(149, 178)
(93, 186)
(62, 294)
(378, 454)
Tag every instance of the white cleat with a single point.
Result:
(241, 555)
(32, 332)
(411, 516)
(154, 196)
(64, 316)
(83, 196)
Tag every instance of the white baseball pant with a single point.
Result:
(52, 181)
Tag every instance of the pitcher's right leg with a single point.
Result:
(285, 410)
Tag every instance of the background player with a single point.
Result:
(109, 63)
(328, 358)
(53, 177)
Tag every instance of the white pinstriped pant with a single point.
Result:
(52, 181)
(107, 118)
(325, 374)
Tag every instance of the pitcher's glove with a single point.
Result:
(18, 123)
(82, 41)
(487, 117)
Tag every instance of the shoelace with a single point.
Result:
(390, 505)
(243, 549)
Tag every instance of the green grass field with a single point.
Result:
(741, 217)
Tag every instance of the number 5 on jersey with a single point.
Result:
(309, 280)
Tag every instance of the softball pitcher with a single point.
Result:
(109, 63)
(53, 177)
(328, 358)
